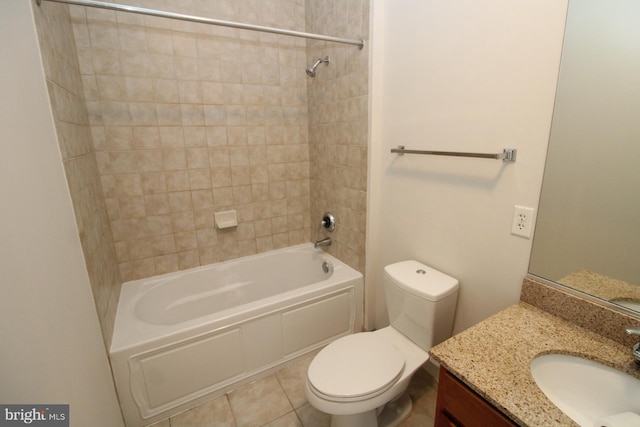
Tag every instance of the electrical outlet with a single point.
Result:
(522, 224)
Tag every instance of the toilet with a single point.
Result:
(361, 379)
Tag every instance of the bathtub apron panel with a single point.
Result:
(166, 360)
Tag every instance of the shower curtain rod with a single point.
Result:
(210, 21)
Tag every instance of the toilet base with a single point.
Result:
(396, 411)
(393, 413)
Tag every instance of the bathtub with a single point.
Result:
(183, 338)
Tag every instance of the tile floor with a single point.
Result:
(279, 401)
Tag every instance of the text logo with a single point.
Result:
(34, 415)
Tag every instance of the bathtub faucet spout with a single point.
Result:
(323, 242)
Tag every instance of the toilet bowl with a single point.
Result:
(361, 379)
(362, 383)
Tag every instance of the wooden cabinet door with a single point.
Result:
(459, 406)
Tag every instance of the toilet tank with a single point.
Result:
(421, 302)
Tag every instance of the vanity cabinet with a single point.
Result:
(459, 406)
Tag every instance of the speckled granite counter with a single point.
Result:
(601, 286)
(493, 358)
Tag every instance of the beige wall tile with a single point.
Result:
(82, 166)
(202, 199)
(188, 119)
(195, 136)
(338, 131)
(199, 179)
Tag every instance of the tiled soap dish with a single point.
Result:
(226, 219)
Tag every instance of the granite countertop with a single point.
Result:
(493, 359)
(601, 286)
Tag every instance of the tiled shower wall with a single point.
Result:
(74, 138)
(188, 120)
(338, 125)
(185, 120)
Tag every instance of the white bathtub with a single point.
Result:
(183, 338)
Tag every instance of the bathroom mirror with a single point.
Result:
(587, 232)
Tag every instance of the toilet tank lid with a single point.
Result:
(421, 280)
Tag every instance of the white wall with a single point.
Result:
(459, 76)
(51, 350)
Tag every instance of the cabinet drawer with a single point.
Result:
(458, 405)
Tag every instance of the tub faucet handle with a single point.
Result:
(635, 350)
(328, 221)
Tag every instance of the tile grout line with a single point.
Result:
(293, 408)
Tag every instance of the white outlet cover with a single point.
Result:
(523, 221)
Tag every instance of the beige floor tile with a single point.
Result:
(163, 423)
(311, 417)
(292, 379)
(289, 420)
(418, 420)
(259, 402)
(423, 391)
(216, 413)
(270, 402)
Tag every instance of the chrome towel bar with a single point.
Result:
(507, 155)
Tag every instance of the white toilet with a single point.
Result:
(360, 379)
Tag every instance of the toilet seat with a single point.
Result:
(355, 367)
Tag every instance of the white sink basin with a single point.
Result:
(585, 390)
